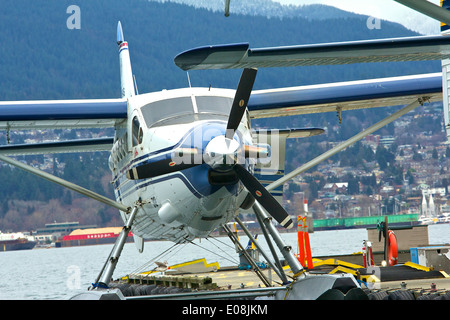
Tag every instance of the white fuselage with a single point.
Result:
(185, 204)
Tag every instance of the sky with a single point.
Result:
(382, 9)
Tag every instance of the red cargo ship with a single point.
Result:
(85, 237)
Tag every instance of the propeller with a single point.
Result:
(221, 154)
(257, 190)
(240, 101)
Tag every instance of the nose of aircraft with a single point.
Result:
(221, 153)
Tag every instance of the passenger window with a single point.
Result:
(137, 132)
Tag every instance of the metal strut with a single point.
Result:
(285, 250)
(295, 265)
(278, 269)
(107, 271)
(64, 183)
(247, 256)
(347, 143)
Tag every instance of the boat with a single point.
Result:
(92, 236)
(16, 241)
(424, 220)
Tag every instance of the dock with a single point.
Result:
(381, 282)
(414, 271)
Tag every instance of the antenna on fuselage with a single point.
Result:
(189, 80)
(135, 84)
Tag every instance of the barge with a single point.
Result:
(16, 241)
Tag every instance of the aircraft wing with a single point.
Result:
(61, 114)
(383, 50)
(334, 97)
(65, 114)
(342, 96)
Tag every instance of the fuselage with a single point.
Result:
(192, 202)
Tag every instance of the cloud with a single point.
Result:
(383, 9)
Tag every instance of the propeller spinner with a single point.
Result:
(221, 155)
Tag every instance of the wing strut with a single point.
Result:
(429, 9)
(346, 143)
(64, 183)
(296, 267)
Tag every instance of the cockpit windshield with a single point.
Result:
(217, 105)
(168, 111)
(181, 110)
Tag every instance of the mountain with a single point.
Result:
(268, 8)
(43, 59)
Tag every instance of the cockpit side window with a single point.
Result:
(137, 132)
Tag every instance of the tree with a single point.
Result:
(410, 177)
(313, 191)
(67, 199)
(353, 185)
(435, 154)
(417, 156)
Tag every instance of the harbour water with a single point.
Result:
(59, 273)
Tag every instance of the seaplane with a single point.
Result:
(184, 162)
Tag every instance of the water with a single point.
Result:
(59, 273)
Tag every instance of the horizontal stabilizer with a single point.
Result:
(382, 50)
(85, 145)
(291, 133)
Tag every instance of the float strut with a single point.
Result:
(107, 271)
(255, 267)
(285, 250)
(280, 271)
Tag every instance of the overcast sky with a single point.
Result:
(383, 9)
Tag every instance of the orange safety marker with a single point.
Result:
(304, 246)
(301, 243)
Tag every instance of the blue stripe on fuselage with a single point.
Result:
(195, 179)
(183, 142)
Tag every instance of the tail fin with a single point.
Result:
(126, 75)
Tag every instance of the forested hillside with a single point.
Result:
(43, 59)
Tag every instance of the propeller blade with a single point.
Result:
(240, 101)
(165, 166)
(264, 197)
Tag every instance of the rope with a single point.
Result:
(146, 266)
(150, 262)
(212, 252)
(232, 259)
